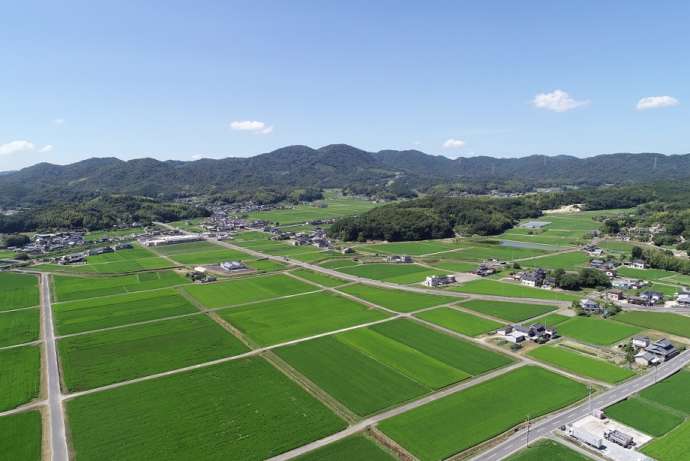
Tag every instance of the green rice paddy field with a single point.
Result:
(19, 327)
(661, 321)
(97, 359)
(20, 377)
(318, 278)
(568, 261)
(596, 331)
(644, 415)
(246, 290)
(674, 446)
(452, 265)
(397, 300)
(552, 319)
(20, 436)
(547, 450)
(461, 322)
(410, 248)
(450, 425)
(512, 312)
(672, 392)
(336, 207)
(243, 409)
(496, 288)
(69, 288)
(201, 253)
(356, 447)
(112, 265)
(397, 273)
(18, 290)
(581, 364)
(111, 311)
(281, 320)
(374, 368)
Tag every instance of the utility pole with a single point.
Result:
(589, 397)
(528, 431)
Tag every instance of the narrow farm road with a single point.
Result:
(56, 427)
(547, 425)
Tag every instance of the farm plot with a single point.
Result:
(513, 290)
(596, 331)
(568, 261)
(18, 290)
(352, 448)
(69, 288)
(201, 253)
(19, 327)
(397, 300)
(581, 364)
(552, 320)
(20, 436)
(134, 260)
(318, 278)
(548, 450)
(674, 446)
(20, 377)
(409, 248)
(97, 359)
(452, 265)
(247, 290)
(450, 425)
(111, 311)
(450, 350)
(264, 265)
(672, 392)
(397, 273)
(334, 208)
(481, 252)
(314, 256)
(243, 409)
(512, 312)
(650, 418)
(462, 322)
(367, 371)
(282, 320)
(338, 263)
(646, 274)
(660, 321)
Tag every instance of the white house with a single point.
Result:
(439, 280)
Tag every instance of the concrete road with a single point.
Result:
(56, 427)
(544, 427)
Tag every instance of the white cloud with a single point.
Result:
(58, 121)
(198, 156)
(557, 101)
(251, 126)
(454, 144)
(46, 148)
(656, 102)
(14, 147)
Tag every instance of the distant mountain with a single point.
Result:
(336, 165)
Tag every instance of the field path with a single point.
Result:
(56, 427)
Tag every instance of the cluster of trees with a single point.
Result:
(99, 213)
(661, 259)
(14, 240)
(585, 278)
(434, 217)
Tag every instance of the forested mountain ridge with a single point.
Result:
(336, 165)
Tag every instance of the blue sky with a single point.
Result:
(503, 78)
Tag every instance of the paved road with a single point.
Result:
(57, 433)
(544, 427)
